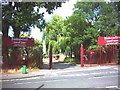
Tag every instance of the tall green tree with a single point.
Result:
(53, 33)
(108, 20)
(91, 20)
(23, 15)
(84, 26)
(57, 35)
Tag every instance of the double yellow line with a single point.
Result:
(7, 80)
(24, 78)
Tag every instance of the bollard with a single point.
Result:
(24, 71)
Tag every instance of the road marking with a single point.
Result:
(10, 80)
(18, 79)
(60, 72)
(112, 87)
(28, 82)
(86, 74)
(116, 68)
(81, 74)
(68, 75)
(85, 69)
(57, 80)
(99, 77)
(24, 83)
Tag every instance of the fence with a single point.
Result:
(15, 60)
(102, 55)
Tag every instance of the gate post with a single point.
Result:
(50, 57)
(100, 54)
(82, 55)
(90, 58)
(113, 53)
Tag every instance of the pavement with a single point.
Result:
(57, 67)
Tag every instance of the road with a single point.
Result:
(73, 77)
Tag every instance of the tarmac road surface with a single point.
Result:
(72, 77)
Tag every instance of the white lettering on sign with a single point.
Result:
(112, 41)
(14, 41)
(19, 42)
(115, 40)
(24, 39)
(111, 37)
(109, 40)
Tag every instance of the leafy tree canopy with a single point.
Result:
(84, 26)
(22, 15)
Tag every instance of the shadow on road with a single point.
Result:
(40, 87)
(58, 65)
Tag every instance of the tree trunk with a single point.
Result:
(71, 52)
(16, 31)
(5, 49)
(16, 34)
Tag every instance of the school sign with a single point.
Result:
(18, 42)
(109, 40)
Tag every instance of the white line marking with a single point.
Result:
(85, 69)
(116, 68)
(24, 83)
(112, 87)
(86, 74)
(99, 77)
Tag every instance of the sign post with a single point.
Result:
(82, 55)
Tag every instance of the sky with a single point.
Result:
(64, 11)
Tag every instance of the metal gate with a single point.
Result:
(100, 56)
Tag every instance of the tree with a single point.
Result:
(35, 53)
(108, 17)
(56, 35)
(89, 21)
(52, 32)
(21, 16)
(84, 26)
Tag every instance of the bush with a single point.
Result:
(94, 47)
(71, 60)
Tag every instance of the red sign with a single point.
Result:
(18, 42)
(109, 40)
